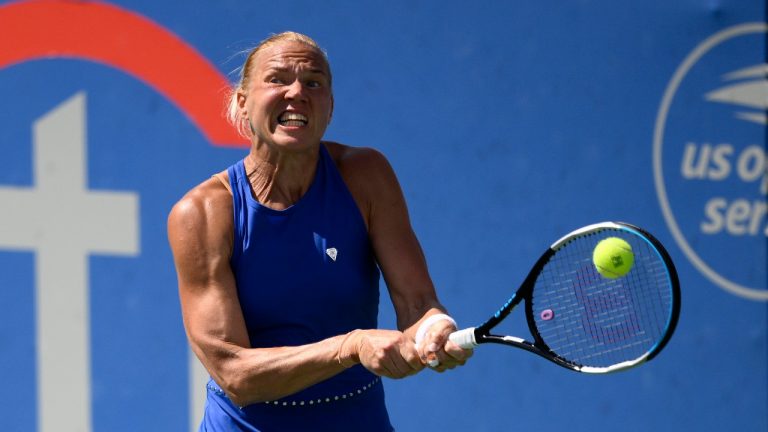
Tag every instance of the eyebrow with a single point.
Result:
(286, 69)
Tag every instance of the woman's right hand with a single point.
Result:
(387, 353)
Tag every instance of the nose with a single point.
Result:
(296, 91)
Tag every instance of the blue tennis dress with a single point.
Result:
(304, 274)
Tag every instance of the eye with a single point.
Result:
(275, 80)
(316, 80)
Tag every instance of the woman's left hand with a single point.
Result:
(439, 353)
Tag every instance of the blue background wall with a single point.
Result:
(509, 124)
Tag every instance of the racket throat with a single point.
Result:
(519, 342)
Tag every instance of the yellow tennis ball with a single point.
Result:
(613, 257)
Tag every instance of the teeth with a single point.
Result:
(293, 119)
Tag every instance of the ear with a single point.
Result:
(241, 99)
(330, 114)
(243, 122)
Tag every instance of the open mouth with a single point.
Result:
(292, 119)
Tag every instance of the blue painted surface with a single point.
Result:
(509, 125)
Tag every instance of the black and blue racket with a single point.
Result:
(585, 319)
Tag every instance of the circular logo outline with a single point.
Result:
(658, 176)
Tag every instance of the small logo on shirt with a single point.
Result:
(332, 252)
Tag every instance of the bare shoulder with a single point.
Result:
(210, 196)
(205, 212)
(368, 176)
(360, 164)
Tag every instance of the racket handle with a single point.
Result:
(464, 338)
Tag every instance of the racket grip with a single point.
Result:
(464, 338)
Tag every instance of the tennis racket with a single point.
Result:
(584, 321)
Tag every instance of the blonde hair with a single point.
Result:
(244, 73)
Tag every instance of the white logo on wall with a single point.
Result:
(709, 159)
(64, 222)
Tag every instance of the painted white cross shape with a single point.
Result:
(63, 222)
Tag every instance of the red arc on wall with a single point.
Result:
(104, 33)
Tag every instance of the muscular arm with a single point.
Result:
(374, 185)
(200, 233)
(398, 251)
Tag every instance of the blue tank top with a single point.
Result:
(304, 274)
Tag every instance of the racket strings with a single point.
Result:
(594, 321)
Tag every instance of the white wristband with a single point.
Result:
(424, 327)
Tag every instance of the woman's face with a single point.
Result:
(288, 101)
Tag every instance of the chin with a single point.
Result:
(296, 144)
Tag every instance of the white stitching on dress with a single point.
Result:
(327, 399)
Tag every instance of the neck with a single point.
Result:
(280, 180)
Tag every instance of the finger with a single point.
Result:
(398, 367)
(402, 362)
(438, 367)
(438, 335)
(441, 361)
(436, 360)
(457, 353)
(411, 357)
(450, 357)
(433, 348)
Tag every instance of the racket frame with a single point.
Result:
(473, 336)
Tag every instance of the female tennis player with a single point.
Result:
(278, 260)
